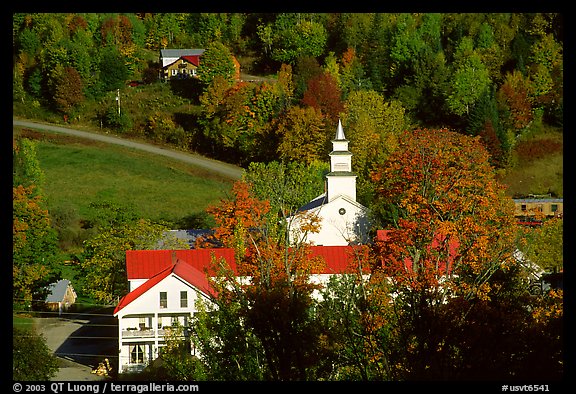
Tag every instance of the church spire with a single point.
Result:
(341, 180)
(340, 132)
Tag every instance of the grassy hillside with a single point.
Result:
(79, 171)
(538, 166)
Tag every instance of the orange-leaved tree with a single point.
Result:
(271, 296)
(448, 255)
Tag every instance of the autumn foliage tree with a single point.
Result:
(302, 135)
(324, 95)
(449, 258)
(274, 302)
(34, 241)
(68, 90)
(515, 100)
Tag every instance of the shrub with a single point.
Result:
(31, 357)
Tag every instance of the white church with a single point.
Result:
(164, 285)
(343, 221)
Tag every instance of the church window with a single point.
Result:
(341, 211)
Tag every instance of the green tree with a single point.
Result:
(352, 75)
(545, 245)
(546, 72)
(103, 259)
(176, 363)
(113, 70)
(470, 81)
(26, 170)
(485, 121)
(373, 127)
(216, 60)
(237, 354)
(296, 35)
(287, 186)
(32, 360)
(344, 311)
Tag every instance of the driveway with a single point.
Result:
(81, 342)
(222, 168)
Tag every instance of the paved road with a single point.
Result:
(80, 342)
(222, 168)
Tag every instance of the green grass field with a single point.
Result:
(538, 165)
(78, 172)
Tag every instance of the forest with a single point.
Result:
(493, 75)
(433, 105)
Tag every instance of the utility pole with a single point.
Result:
(118, 100)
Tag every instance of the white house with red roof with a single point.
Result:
(164, 288)
(343, 220)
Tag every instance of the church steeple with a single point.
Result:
(339, 132)
(341, 180)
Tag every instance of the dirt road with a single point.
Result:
(225, 169)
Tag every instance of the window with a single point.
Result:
(183, 299)
(554, 207)
(523, 207)
(163, 300)
(136, 354)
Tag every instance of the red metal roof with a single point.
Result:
(143, 264)
(194, 59)
(453, 245)
(182, 269)
(193, 265)
(338, 259)
(134, 294)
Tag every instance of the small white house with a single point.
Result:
(343, 221)
(163, 294)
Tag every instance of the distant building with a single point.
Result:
(179, 63)
(61, 296)
(532, 211)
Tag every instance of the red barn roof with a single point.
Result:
(339, 259)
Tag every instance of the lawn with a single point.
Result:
(538, 165)
(78, 172)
